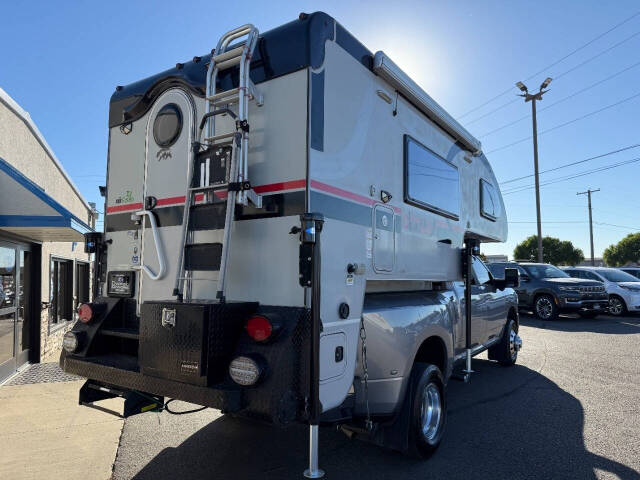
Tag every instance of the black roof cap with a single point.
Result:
(285, 49)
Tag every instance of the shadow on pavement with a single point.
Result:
(605, 324)
(507, 423)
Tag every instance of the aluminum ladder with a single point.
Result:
(229, 149)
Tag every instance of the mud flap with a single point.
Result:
(134, 402)
(395, 434)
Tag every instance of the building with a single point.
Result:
(597, 262)
(496, 258)
(44, 272)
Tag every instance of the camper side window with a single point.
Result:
(489, 202)
(430, 182)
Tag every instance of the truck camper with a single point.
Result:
(291, 234)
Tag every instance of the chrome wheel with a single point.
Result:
(616, 307)
(431, 412)
(515, 342)
(544, 308)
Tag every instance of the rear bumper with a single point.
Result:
(122, 371)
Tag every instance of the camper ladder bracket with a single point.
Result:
(218, 169)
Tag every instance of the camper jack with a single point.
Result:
(292, 233)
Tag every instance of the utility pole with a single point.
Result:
(588, 193)
(532, 97)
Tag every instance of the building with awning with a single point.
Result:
(44, 272)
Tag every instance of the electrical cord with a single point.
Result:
(165, 405)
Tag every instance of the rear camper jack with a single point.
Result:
(311, 226)
(471, 248)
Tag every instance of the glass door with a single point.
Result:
(8, 279)
(15, 306)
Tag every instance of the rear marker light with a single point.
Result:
(71, 341)
(259, 328)
(244, 371)
(85, 313)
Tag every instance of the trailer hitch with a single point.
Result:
(134, 402)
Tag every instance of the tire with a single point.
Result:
(588, 314)
(617, 307)
(428, 414)
(506, 351)
(544, 307)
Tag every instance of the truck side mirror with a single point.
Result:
(512, 278)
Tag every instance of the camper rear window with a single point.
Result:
(430, 181)
(489, 202)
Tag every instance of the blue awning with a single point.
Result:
(27, 210)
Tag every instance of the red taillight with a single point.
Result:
(259, 328)
(85, 313)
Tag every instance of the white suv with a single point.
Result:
(623, 288)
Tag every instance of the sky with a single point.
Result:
(62, 60)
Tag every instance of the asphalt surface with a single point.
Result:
(570, 408)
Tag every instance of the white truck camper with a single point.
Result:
(291, 234)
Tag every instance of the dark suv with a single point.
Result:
(547, 291)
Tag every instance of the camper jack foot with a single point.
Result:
(468, 371)
(313, 471)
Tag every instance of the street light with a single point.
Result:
(532, 97)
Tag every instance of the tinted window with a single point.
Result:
(480, 271)
(617, 276)
(167, 125)
(497, 269)
(430, 181)
(489, 201)
(573, 273)
(544, 271)
(635, 273)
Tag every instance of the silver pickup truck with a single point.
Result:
(431, 333)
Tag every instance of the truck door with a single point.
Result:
(170, 131)
(478, 319)
(383, 238)
(481, 299)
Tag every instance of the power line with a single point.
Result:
(573, 52)
(566, 123)
(559, 101)
(618, 226)
(570, 177)
(574, 163)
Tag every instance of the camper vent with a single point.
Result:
(383, 66)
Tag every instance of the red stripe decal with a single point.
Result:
(170, 200)
(278, 187)
(124, 208)
(261, 189)
(349, 195)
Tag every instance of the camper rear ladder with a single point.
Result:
(218, 169)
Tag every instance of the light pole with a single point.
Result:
(532, 97)
(588, 193)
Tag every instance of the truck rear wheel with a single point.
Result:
(428, 410)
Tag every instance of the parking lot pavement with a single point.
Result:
(568, 409)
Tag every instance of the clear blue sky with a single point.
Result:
(62, 60)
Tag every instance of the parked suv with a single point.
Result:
(635, 271)
(623, 288)
(547, 291)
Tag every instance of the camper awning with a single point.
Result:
(26, 210)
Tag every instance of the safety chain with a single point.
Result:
(363, 337)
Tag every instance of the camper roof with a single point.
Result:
(285, 49)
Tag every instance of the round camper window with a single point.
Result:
(167, 125)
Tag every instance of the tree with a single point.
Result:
(625, 251)
(554, 251)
